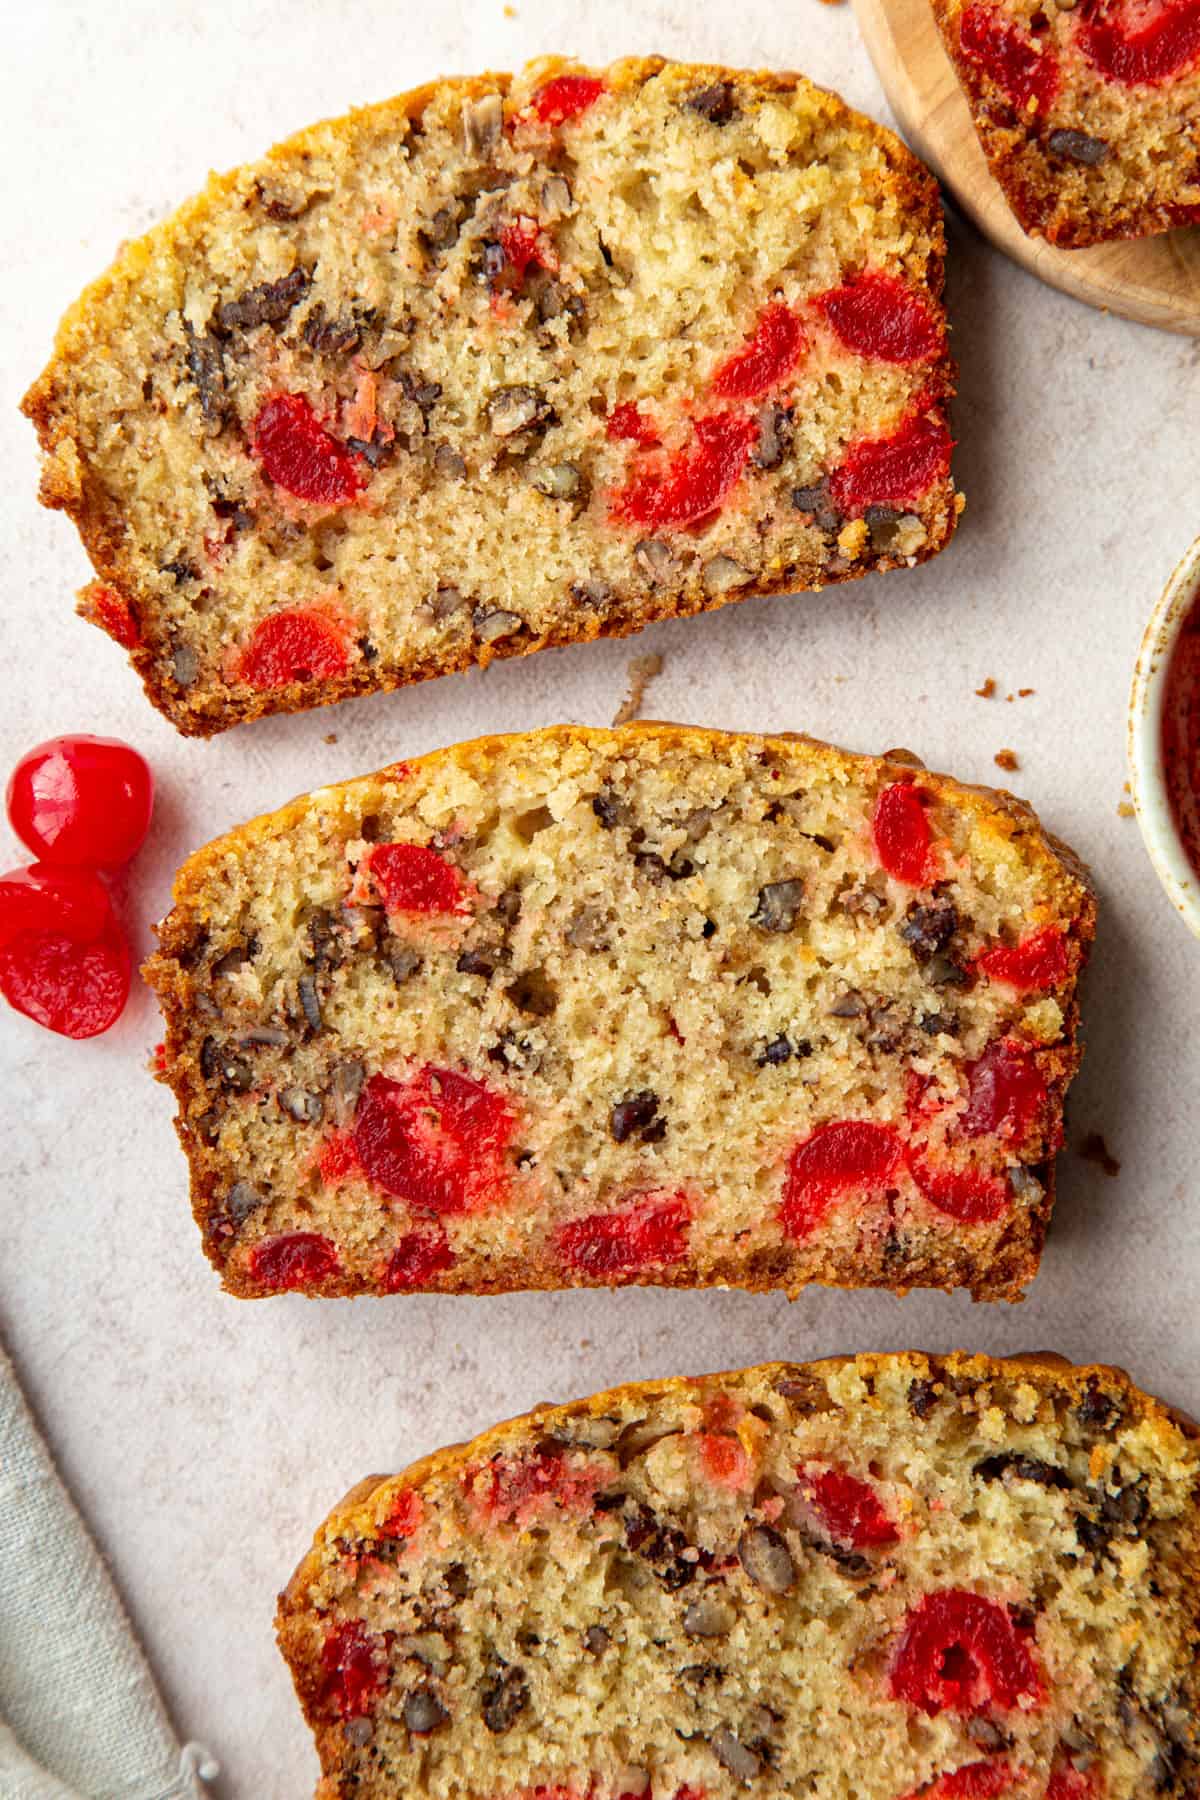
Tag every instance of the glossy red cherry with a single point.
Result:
(643, 1235)
(903, 840)
(974, 1781)
(1023, 72)
(112, 613)
(972, 1195)
(405, 1515)
(855, 1156)
(411, 878)
(417, 1258)
(566, 97)
(295, 1259)
(82, 800)
(1039, 962)
(960, 1652)
(519, 1488)
(435, 1140)
(299, 454)
(338, 1158)
(848, 1510)
(695, 481)
(77, 990)
(628, 421)
(881, 316)
(766, 360)
(1005, 1092)
(352, 1666)
(1165, 46)
(70, 903)
(64, 961)
(295, 644)
(894, 470)
(520, 242)
(724, 1460)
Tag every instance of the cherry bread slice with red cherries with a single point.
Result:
(652, 1005)
(888, 1577)
(1088, 110)
(503, 363)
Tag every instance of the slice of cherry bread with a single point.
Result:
(1088, 110)
(499, 364)
(882, 1576)
(662, 1005)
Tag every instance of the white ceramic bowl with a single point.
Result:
(1147, 704)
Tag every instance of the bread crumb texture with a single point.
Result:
(505, 362)
(868, 1579)
(1088, 110)
(646, 1005)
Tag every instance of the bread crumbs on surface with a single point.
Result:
(1006, 759)
(1125, 810)
(1093, 1149)
(642, 671)
(330, 737)
(987, 690)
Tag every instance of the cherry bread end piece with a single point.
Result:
(422, 313)
(655, 1006)
(990, 1564)
(1078, 110)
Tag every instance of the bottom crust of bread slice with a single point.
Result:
(878, 1576)
(580, 1007)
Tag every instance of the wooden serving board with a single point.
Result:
(1154, 280)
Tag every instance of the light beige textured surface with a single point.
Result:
(203, 1439)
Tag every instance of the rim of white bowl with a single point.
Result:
(1151, 800)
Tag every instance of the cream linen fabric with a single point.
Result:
(80, 1716)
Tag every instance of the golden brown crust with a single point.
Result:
(70, 482)
(1075, 1378)
(352, 1518)
(1015, 1257)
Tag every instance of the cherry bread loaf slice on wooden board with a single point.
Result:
(1088, 110)
(503, 363)
(665, 1005)
(942, 1578)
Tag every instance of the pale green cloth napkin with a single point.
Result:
(80, 1716)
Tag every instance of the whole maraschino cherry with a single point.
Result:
(82, 800)
(82, 804)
